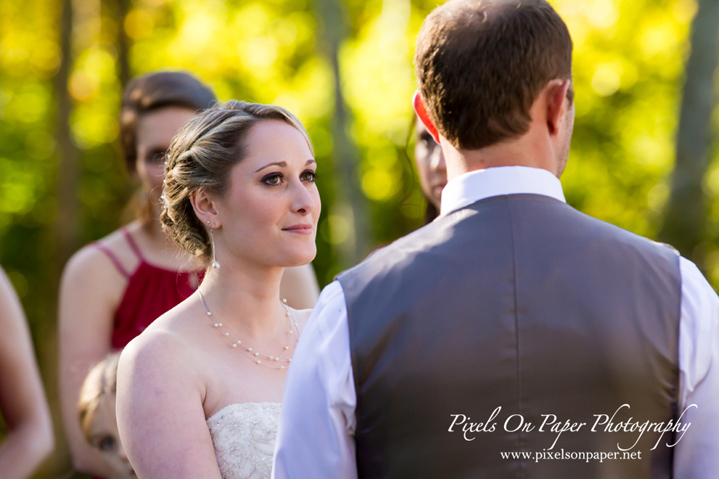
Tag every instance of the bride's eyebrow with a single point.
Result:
(282, 164)
(276, 163)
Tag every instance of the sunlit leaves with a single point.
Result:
(628, 61)
(138, 24)
(606, 79)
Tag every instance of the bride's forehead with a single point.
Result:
(274, 133)
(275, 140)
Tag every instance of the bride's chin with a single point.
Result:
(299, 258)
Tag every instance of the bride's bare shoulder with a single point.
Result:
(165, 350)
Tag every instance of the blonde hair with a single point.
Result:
(100, 381)
(201, 157)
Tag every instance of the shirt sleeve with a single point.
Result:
(696, 453)
(316, 430)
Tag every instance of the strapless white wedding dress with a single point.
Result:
(244, 439)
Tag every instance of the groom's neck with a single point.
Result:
(531, 150)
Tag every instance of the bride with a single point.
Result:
(199, 391)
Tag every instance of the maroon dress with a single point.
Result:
(151, 291)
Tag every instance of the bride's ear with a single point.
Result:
(204, 205)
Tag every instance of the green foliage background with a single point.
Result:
(629, 66)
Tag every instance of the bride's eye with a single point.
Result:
(309, 176)
(272, 179)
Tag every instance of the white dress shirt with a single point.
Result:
(316, 431)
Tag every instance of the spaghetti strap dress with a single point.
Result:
(151, 291)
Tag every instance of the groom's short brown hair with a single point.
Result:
(482, 63)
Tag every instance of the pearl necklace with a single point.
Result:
(256, 355)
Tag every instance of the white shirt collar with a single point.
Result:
(505, 180)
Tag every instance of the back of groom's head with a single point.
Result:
(482, 63)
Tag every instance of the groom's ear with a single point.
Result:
(204, 207)
(421, 111)
(559, 98)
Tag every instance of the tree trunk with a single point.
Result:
(685, 213)
(67, 225)
(350, 201)
(65, 234)
(123, 43)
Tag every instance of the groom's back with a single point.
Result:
(521, 302)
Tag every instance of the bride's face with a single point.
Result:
(269, 213)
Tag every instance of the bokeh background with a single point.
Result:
(643, 154)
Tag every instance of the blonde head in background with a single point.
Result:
(96, 408)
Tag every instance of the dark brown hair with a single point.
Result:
(482, 63)
(152, 92)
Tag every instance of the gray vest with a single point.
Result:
(519, 302)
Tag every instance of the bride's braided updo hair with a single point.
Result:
(201, 157)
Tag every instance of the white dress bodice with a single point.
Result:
(244, 439)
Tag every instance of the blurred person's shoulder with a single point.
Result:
(102, 267)
(107, 257)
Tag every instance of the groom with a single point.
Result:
(513, 337)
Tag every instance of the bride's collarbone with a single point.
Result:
(228, 367)
(229, 375)
(228, 342)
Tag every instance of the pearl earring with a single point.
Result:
(215, 264)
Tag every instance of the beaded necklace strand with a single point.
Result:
(255, 356)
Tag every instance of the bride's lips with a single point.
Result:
(300, 228)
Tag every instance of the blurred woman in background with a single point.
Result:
(431, 169)
(22, 400)
(114, 288)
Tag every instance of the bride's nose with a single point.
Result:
(302, 200)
